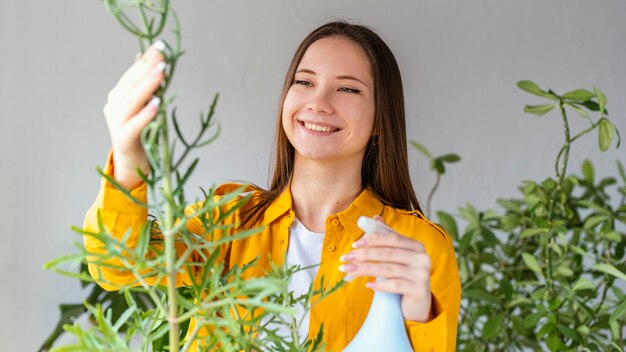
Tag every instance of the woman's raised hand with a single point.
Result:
(130, 107)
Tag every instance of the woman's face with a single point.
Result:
(328, 113)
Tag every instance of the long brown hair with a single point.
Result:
(385, 168)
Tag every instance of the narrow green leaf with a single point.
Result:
(532, 263)
(610, 269)
(421, 149)
(481, 294)
(532, 232)
(580, 112)
(532, 88)
(619, 312)
(620, 169)
(606, 131)
(579, 94)
(539, 110)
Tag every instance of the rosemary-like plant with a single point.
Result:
(234, 306)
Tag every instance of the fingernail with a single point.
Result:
(348, 278)
(345, 268)
(159, 45)
(154, 102)
(160, 67)
(359, 243)
(370, 285)
(347, 257)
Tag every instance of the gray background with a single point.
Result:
(460, 61)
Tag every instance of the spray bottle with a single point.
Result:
(383, 329)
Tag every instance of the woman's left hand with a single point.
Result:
(403, 263)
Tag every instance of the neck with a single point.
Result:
(320, 189)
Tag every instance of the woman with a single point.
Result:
(340, 154)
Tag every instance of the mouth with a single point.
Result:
(319, 127)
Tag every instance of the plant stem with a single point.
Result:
(168, 236)
(432, 192)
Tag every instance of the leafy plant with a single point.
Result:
(543, 272)
(236, 307)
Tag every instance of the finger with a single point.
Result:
(389, 255)
(136, 124)
(389, 240)
(385, 270)
(399, 286)
(150, 58)
(145, 89)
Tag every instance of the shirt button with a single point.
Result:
(419, 335)
(331, 247)
(335, 222)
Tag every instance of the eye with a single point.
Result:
(301, 82)
(349, 90)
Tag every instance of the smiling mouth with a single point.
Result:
(319, 128)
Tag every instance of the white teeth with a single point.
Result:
(317, 128)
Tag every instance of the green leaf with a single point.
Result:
(539, 110)
(481, 294)
(450, 158)
(421, 149)
(622, 173)
(532, 88)
(606, 131)
(532, 232)
(618, 313)
(587, 169)
(610, 269)
(612, 236)
(447, 221)
(601, 99)
(583, 284)
(579, 94)
(593, 221)
(438, 166)
(492, 326)
(580, 112)
(531, 263)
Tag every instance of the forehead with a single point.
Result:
(337, 56)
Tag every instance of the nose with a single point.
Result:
(319, 102)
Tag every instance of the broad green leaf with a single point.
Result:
(539, 110)
(592, 221)
(531, 263)
(583, 284)
(421, 149)
(612, 236)
(448, 223)
(569, 332)
(610, 269)
(601, 99)
(450, 158)
(437, 164)
(532, 88)
(579, 94)
(587, 169)
(492, 326)
(532, 232)
(606, 131)
(481, 294)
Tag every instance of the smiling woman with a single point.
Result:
(341, 153)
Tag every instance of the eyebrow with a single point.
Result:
(306, 70)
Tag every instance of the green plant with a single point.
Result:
(543, 272)
(224, 300)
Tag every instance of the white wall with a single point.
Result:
(460, 61)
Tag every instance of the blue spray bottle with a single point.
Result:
(383, 329)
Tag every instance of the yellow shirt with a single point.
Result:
(342, 312)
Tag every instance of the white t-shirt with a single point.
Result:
(305, 249)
